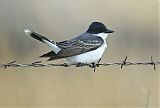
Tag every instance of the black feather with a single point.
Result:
(39, 37)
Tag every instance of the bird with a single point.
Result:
(87, 47)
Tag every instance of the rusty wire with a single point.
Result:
(121, 64)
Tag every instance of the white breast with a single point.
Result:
(88, 57)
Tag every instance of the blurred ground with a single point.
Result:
(135, 23)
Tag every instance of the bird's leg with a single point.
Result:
(99, 60)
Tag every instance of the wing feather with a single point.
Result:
(77, 46)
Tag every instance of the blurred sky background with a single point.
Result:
(135, 23)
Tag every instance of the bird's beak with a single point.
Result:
(109, 31)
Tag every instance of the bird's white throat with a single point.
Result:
(102, 35)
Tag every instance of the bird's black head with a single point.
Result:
(97, 27)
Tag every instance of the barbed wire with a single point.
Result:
(121, 64)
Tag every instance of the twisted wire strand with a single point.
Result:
(40, 64)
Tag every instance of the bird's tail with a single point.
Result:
(43, 39)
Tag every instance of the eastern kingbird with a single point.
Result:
(85, 48)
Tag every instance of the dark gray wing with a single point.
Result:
(81, 44)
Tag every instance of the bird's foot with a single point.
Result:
(93, 65)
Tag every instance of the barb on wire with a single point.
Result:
(125, 62)
(152, 63)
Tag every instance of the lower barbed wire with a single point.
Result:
(40, 64)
